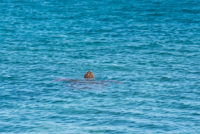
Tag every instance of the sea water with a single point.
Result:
(152, 47)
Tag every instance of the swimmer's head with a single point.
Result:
(89, 74)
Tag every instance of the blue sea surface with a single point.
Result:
(152, 47)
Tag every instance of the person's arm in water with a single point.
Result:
(64, 80)
(114, 81)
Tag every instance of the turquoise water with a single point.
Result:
(151, 46)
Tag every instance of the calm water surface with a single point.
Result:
(152, 46)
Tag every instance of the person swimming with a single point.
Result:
(89, 76)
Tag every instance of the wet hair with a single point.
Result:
(89, 74)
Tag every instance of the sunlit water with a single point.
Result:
(151, 46)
